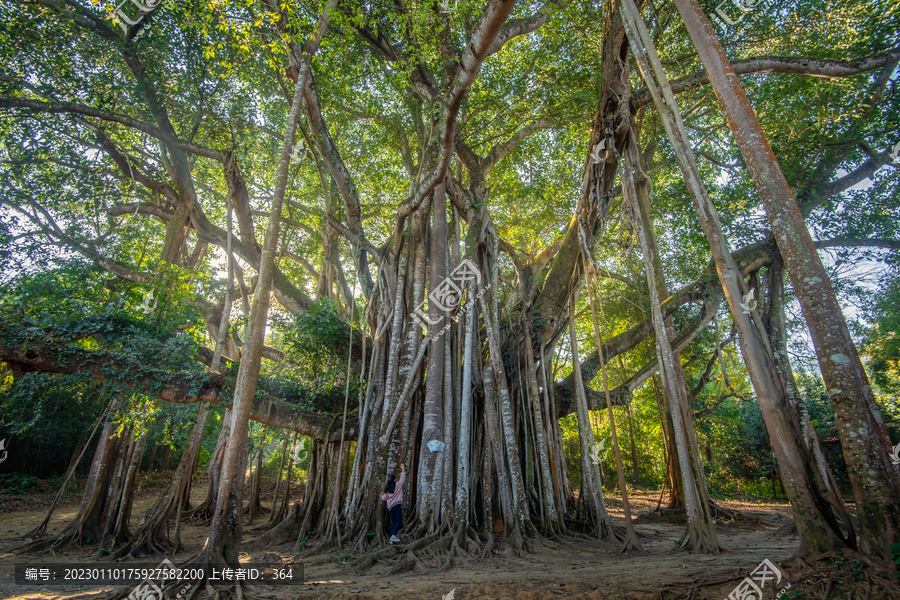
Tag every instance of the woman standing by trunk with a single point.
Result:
(393, 495)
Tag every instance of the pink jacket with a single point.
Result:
(397, 497)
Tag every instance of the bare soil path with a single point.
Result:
(578, 569)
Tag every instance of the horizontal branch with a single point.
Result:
(815, 67)
(81, 109)
(706, 288)
(852, 242)
(141, 208)
(42, 355)
(518, 27)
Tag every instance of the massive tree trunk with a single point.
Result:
(430, 461)
(151, 536)
(701, 531)
(776, 326)
(818, 529)
(864, 438)
(223, 544)
(87, 526)
(591, 485)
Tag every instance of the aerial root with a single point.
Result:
(631, 542)
(517, 542)
(820, 573)
(423, 529)
(363, 565)
(59, 541)
(555, 537)
(545, 541)
(457, 550)
(453, 546)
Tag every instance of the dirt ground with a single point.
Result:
(578, 569)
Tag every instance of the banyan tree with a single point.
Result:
(245, 164)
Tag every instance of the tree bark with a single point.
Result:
(817, 528)
(864, 438)
(429, 475)
(116, 532)
(151, 536)
(167, 452)
(204, 511)
(631, 539)
(87, 526)
(71, 471)
(701, 531)
(591, 485)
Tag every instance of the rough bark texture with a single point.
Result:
(815, 523)
(864, 438)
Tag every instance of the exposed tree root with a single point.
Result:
(439, 545)
(842, 574)
(790, 527)
(374, 557)
(489, 545)
(410, 563)
(720, 512)
(284, 532)
(630, 542)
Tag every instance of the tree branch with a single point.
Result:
(517, 27)
(816, 67)
(492, 19)
(74, 108)
(849, 241)
(141, 208)
(499, 152)
(279, 410)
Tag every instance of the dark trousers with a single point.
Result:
(396, 518)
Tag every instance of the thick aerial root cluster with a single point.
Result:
(457, 547)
